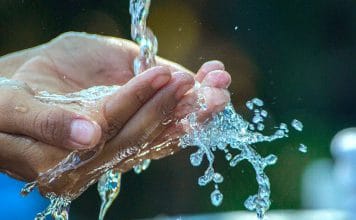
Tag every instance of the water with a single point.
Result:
(227, 132)
(297, 125)
(142, 35)
(230, 133)
(108, 188)
(148, 45)
(58, 208)
(303, 148)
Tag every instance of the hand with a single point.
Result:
(74, 62)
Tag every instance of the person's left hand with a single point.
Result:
(74, 62)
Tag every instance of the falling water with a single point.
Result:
(148, 45)
(108, 188)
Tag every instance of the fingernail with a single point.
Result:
(217, 78)
(182, 90)
(160, 81)
(82, 132)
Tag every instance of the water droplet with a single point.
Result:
(280, 133)
(196, 158)
(271, 159)
(249, 105)
(264, 113)
(303, 148)
(166, 122)
(29, 187)
(283, 126)
(257, 102)
(260, 126)
(228, 156)
(216, 197)
(218, 178)
(21, 108)
(297, 125)
(145, 164)
(256, 119)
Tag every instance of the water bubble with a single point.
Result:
(236, 27)
(216, 197)
(303, 148)
(297, 125)
(251, 127)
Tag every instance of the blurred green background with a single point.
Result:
(299, 56)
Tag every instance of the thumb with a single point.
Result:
(21, 114)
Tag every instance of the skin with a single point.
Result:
(135, 123)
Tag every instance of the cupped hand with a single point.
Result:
(128, 123)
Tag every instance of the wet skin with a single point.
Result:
(36, 136)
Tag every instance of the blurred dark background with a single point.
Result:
(297, 55)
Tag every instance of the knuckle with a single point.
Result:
(140, 96)
(165, 109)
(114, 127)
(50, 124)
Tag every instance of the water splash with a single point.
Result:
(229, 132)
(58, 208)
(108, 188)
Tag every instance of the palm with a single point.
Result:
(63, 66)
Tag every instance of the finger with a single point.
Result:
(132, 96)
(139, 128)
(25, 158)
(217, 79)
(151, 119)
(21, 114)
(215, 100)
(208, 67)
